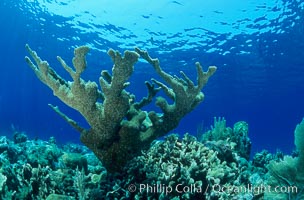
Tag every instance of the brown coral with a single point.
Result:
(119, 129)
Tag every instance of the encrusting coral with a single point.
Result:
(119, 129)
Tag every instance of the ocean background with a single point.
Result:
(257, 45)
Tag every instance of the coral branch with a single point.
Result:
(183, 92)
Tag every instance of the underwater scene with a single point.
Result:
(139, 99)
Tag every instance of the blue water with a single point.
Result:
(258, 47)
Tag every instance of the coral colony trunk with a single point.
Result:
(119, 128)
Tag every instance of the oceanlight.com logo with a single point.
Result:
(255, 190)
(196, 188)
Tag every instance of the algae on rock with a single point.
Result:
(119, 128)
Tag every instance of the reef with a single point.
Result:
(177, 167)
(36, 169)
(119, 128)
